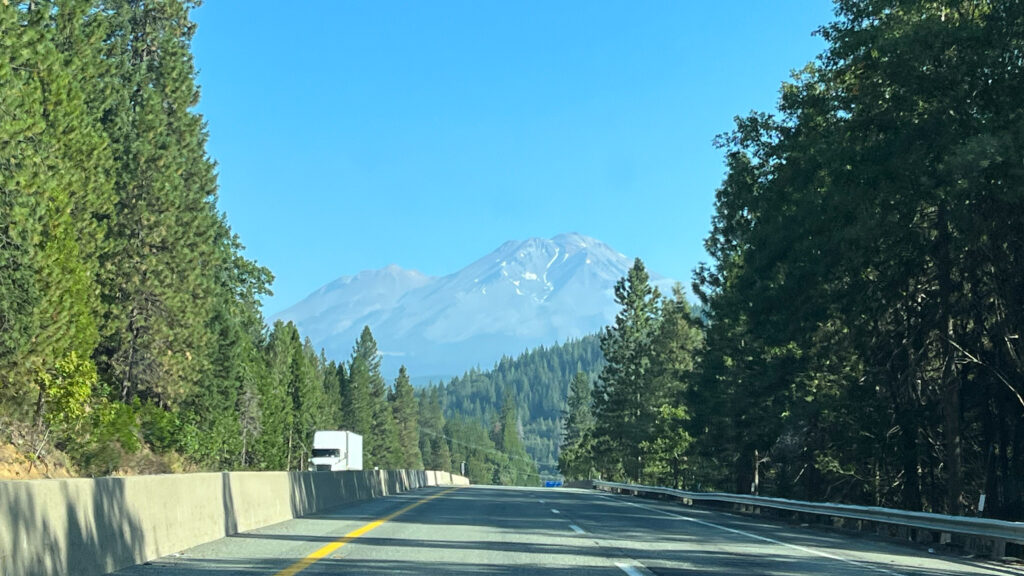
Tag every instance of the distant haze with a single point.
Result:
(522, 295)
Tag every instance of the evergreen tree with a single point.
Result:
(380, 441)
(626, 398)
(435, 451)
(894, 155)
(157, 279)
(271, 449)
(541, 378)
(331, 392)
(406, 416)
(77, 193)
(517, 469)
(356, 404)
(574, 454)
(22, 203)
(471, 444)
(677, 345)
(441, 453)
(305, 384)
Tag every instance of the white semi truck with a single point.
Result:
(337, 450)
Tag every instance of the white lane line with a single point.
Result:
(633, 568)
(763, 538)
(553, 511)
(576, 529)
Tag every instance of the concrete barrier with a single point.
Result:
(86, 527)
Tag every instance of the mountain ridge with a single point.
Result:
(521, 295)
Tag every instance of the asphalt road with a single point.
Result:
(506, 531)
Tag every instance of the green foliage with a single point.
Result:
(470, 444)
(159, 276)
(161, 429)
(406, 415)
(574, 453)
(109, 435)
(66, 393)
(627, 394)
(516, 468)
(130, 322)
(435, 451)
(540, 381)
(864, 305)
(359, 405)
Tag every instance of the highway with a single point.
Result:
(562, 532)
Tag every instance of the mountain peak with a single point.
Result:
(523, 294)
(577, 239)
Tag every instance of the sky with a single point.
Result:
(354, 135)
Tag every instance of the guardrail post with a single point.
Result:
(998, 549)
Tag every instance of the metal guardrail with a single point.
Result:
(997, 530)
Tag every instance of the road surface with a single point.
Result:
(561, 532)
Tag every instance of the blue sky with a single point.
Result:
(353, 135)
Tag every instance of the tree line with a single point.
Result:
(131, 337)
(492, 454)
(631, 423)
(536, 383)
(862, 312)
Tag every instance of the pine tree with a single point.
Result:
(380, 441)
(518, 468)
(157, 277)
(677, 345)
(332, 393)
(271, 450)
(356, 405)
(308, 404)
(435, 451)
(471, 444)
(441, 453)
(406, 415)
(22, 205)
(574, 454)
(221, 416)
(626, 399)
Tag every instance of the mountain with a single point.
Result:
(524, 294)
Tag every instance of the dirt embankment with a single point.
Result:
(21, 457)
(14, 465)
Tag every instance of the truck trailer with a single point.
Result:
(337, 450)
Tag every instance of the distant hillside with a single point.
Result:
(540, 381)
(521, 295)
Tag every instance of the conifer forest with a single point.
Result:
(131, 337)
(854, 336)
(859, 335)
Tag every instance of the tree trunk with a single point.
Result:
(288, 463)
(126, 382)
(950, 382)
(909, 459)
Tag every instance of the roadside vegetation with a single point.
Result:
(131, 338)
(862, 314)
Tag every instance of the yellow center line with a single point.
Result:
(328, 549)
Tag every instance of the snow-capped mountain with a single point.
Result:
(522, 295)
